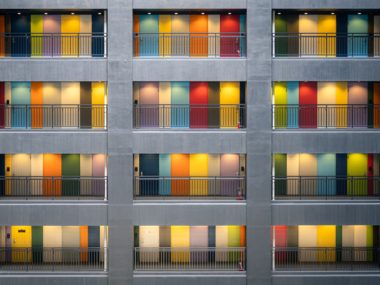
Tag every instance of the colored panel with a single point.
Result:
(165, 104)
(70, 29)
(180, 164)
(180, 104)
(165, 236)
(20, 167)
(325, 98)
(280, 100)
(281, 44)
(229, 169)
(98, 95)
(326, 238)
(327, 40)
(376, 102)
(21, 238)
(229, 33)
(21, 117)
(341, 174)
(307, 237)
(36, 102)
(149, 237)
(149, 96)
(52, 171)
(2, 174)
(20, 46)
(214, 171)
(37, 244)
(52, 44)
(94, 243)
(230, 98)
(85, 102)
(234, 241)
(376, 30)
(165, 40)
(2, 39)
(308, 102)
(308, 28)
(70, 99)
(164, 172)
(180, 43)
(51, 95)
(70, 239)
(356, 42)
(180, 238)
(370, 113)
(37, 29)
(85, 174)
(280, 174)
(213, 31)
(341, 42)
(221, 243)
(52, 238)
(198, 169)
(293, 28)
(198, 96)
(98, 40)
(83, 243)
(357, 165)
(370, 173)
(198, 35)
(2, 102)
(149, 166)
(293, 103)
(98, 170)
(308, 169)
(357, 100)
(149, 42)
(136, 30)
(293, 173)
(243, 39)
(8, 173)
(281, 237)
(85, 40)
(214, 102)
(341, 105)
(327, 173)
(70, 174)
(199, 236)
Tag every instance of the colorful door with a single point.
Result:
(21, 244)
(198, 104)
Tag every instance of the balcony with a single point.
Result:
(53, 188)
(189, 116)
(350, 116)
(326, 188)
(190, 259)
(49, 117)
(326, 259)
(48, 45)
(53, 259)
(214, 45)
(161, 187)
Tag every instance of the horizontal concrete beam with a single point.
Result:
(333, 69)
(189, 142)
(55, 213)
(53, 142)
(186, 213)
(314, 213)
(186, 4)
(325, 4)
(325, 141)
(190, 279)
(53, 69)
(189, 69)
(326, 278)
(54, 4)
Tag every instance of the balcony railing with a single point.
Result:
(53, 45)
(53, 259)
(53, 116)
(190, 259)
(32, 187)
(189, 116)
(325, 116)
(326, 187)
(326, 45)
(327, 259)
(189, 187)
(190, 44)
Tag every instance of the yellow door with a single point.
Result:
(229, 100)
(21, 243)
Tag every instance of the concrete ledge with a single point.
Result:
(31, 69)
(53, 142)
(322, 69)
(186, 4)
(54, 4)
(325, 4)
(185, 69)
(326, 279)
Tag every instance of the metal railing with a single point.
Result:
(326, 259)
(34, 187)
(189, 116)
(326, 187)
(190, 44)
(190, 259)
(325, 116)
(190, 187)
(53, 116)
(326, 45)
(53, 45)
(53, 259)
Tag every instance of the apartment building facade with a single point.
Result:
(204, 142)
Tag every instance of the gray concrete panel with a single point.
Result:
(349, 278)
(56, 279)
(180, 69)
(192, 279)
(325, 4)
(53, 4)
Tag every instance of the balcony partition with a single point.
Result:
(190, 259)
(326, 259)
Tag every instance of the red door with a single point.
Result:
(229, 33)
(198, 104)
(308, 105)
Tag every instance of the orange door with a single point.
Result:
(36, 105)
(52, 175)
(198, 35)
(180, 167)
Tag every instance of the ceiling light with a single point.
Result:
(229, 13)
(72, 13)
(359, 13)
(279, 13)
(203, 13)
(149, 13)
(332, 13)
(175, 13)
(45, 13)
(18, 13)
(306, 13)
(99, 13)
